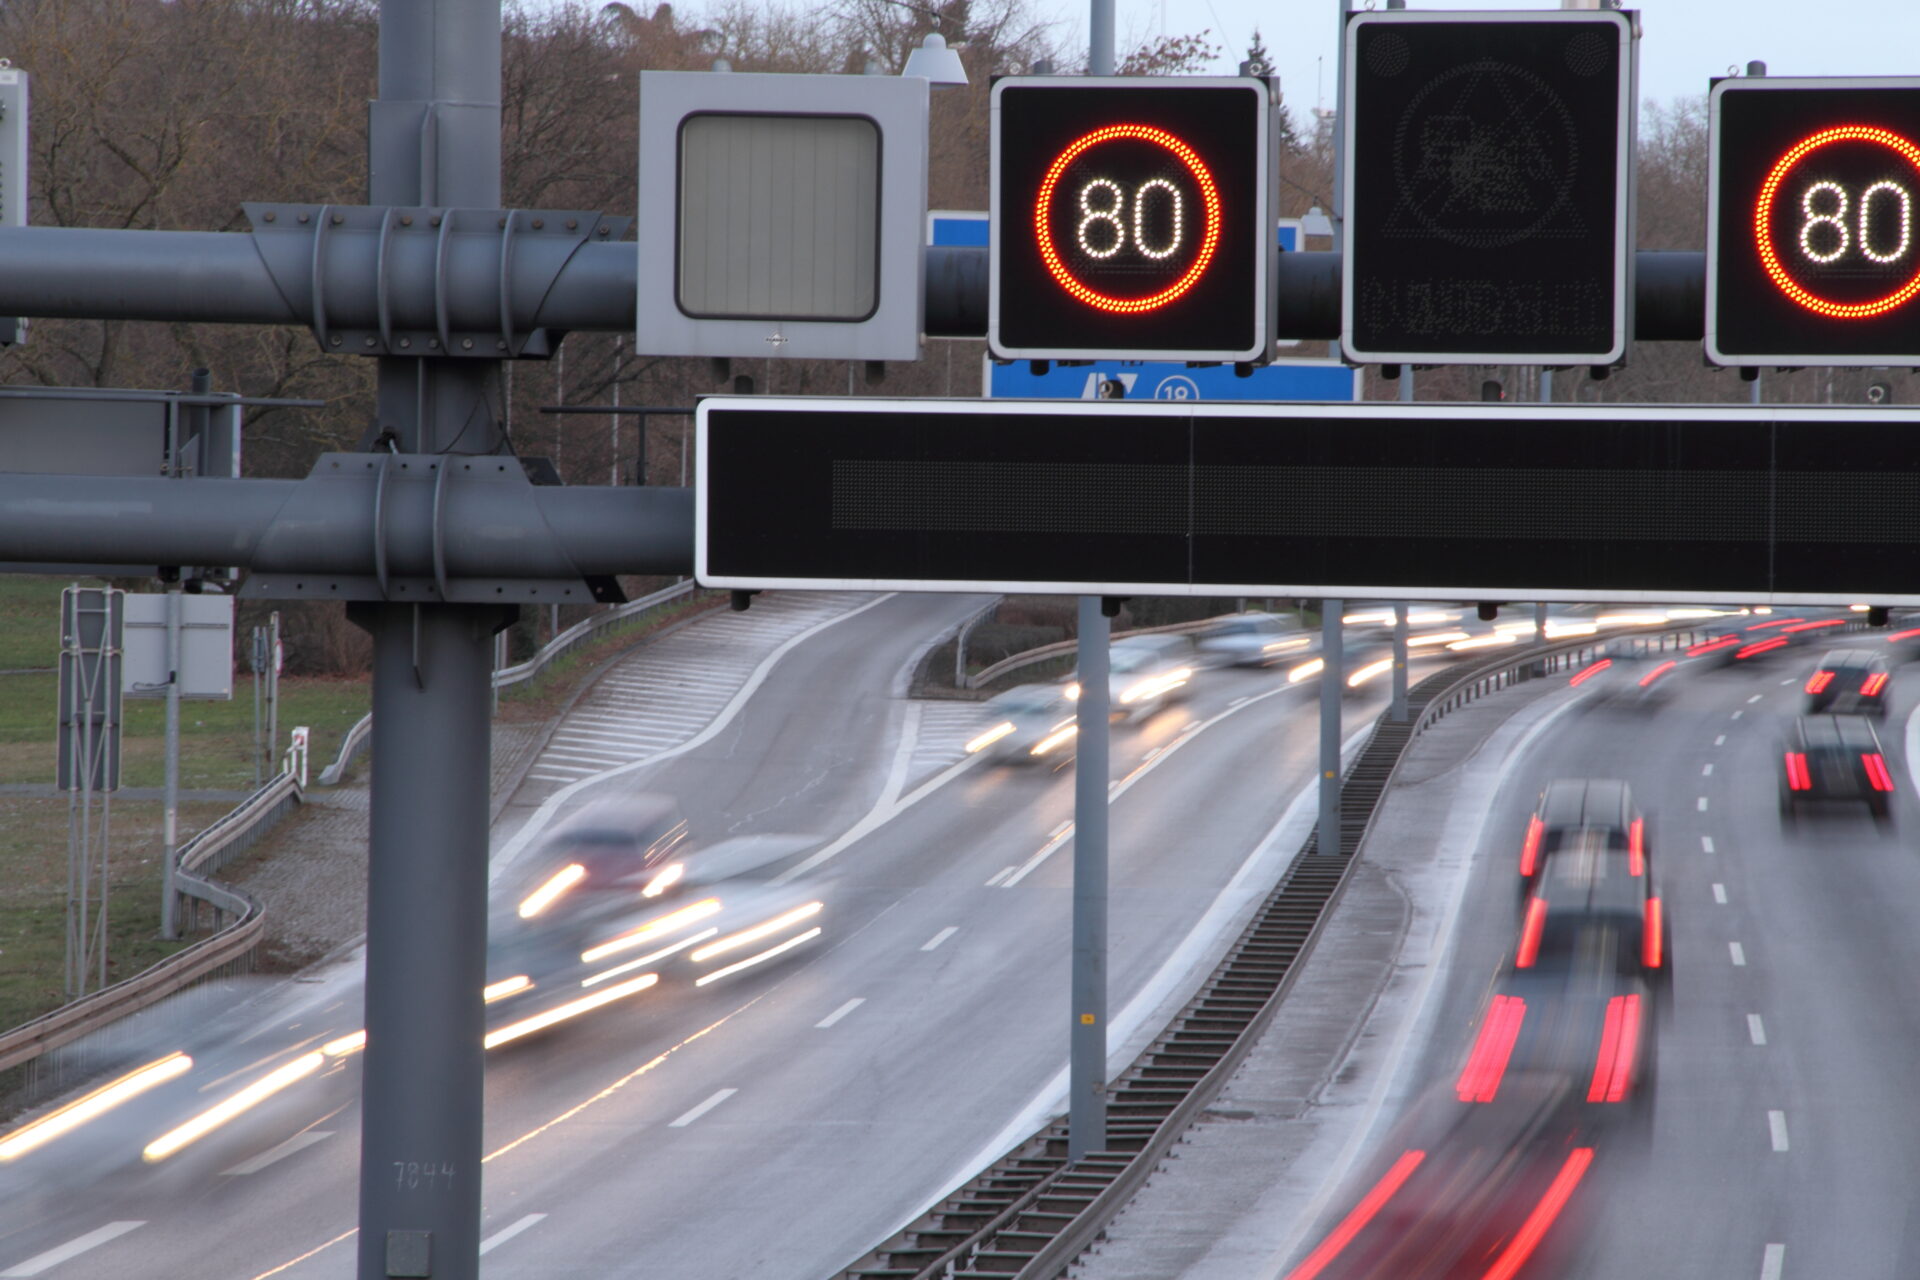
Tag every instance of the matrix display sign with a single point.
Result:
(1487, 212)
(1359, 501)
(1812, 256)
(1131, 216)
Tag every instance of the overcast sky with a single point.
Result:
(1683, 42)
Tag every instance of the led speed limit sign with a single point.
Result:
(1813, 255)
(1130, 217)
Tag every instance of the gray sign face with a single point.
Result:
(779, 217)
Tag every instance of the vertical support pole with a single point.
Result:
(170, 816)
(433, 140)
(1100, 38)
(1540, 622)
(258, 662)
(1333, 680)
(1546, 385)
(1397, 711)
(273, 688)
(423, 1075)
(1406, 384)
(1087, 1062)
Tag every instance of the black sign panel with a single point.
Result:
(1357, 501)
(1813, 256)
(1130, 216)
(1486, 213)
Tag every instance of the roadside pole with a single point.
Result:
(170, 819)
(1333, 675)
(1397, 711)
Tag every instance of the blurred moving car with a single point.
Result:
(1834, 758)
(1146, 673)
(1850, 682)
(600, 859)
(1571, 808)
(1626, 673)
(1026, 724)
(1250, 640)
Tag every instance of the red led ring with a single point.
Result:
(1209, 197)
(1763, 224)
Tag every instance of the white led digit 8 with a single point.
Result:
(1850, 225)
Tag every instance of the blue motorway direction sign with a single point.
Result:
(1171, 380)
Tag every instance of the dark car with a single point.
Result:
(1571, 807)
(1835, 758)
(1849, 681)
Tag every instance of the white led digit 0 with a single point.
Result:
(1899, 193)
(1140, 213)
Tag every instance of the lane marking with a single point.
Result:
(551, 806)
(1720, 741)
(1706, 771)
(1738, 714)
(1755, 1030)
(1062, 829)
(1777, 1127)
(885, 810)
(1702, 805)
(841, 1012)
(1720, 894)
(1706, 844)
(1755, 698)
(507, 1233)
(298, 1142)
(940, 937)
(702, 1109)
(1773, 1262)
(1788, 680)
(53, 1257)
(1237, 701)
(998, 876)
(1738, 953)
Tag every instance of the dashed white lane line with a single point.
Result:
(702, 1109)
(1738, 953)
(1060, 830)
(1777, 1129)
(53, 1257)
(1706, 771)
(272, 1155)
(1738, 714)
(1236, 702)
(1773, 1262)
(1701, 805)
(1756, 1031)
(1720, 894)
(940, 937)
(1755, 698)
(998, 876)
(507, 1233)
(1788, 680)
(1706, 844)
(841, 1012)
(1720, 741)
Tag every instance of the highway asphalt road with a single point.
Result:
(782, 1121)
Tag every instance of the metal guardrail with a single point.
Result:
(1028, 657)
(1031, 1213)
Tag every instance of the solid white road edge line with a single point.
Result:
(550, 807)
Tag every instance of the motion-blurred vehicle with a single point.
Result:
(1625, 673)
(1771, 635)
(599, 861)
(1027, 724)
(1146, 673)
(1572, 808)
(1250, 640)
(1849, 682)
(1834, 758)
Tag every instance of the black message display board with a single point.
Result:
(1485, 194)
(1130, 216)
(1812, 252)
(1358, 501)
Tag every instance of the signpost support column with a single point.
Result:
(1398, 708)
(1332, 680)
(170, 818)
(1087, 1070)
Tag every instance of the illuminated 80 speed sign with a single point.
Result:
(1127, 217)
(1813, 253)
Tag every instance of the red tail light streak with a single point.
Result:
(1637, 847)
(1619, 1045)
(1873, 684)
(1487, 1064)
(1651, 943)
(1530, 851)
(1590, 671)
(1818, 681)
(1798, 779)
(1534, 1229)
(1760, 647)
(1363, 1213)
(1536, 923)
(1877, 771)
(1648, 679)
